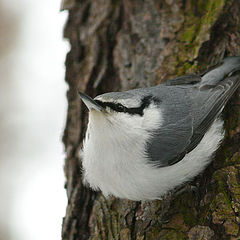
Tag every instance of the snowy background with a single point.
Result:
(32, 118)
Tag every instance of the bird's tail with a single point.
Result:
(228, 67)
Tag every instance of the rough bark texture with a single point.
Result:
(119, 45)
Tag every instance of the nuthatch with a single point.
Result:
(144, 142)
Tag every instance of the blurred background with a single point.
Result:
(32, 116)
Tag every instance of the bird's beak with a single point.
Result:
(90, 103)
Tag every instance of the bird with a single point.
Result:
(142, 143)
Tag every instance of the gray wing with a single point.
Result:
(210, 106)
(188, 112)
(185, 79)
(168, 143)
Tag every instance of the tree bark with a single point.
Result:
(120, 45)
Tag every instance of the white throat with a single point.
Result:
(114, 148)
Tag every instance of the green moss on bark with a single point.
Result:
(195, 30)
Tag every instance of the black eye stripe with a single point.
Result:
(118, 107)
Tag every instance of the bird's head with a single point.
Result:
(124, 109)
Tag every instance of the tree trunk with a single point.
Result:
(120, 45)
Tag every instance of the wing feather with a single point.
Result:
(188, 113)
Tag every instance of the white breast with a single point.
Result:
(114, 161)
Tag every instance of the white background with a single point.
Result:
(32, 117)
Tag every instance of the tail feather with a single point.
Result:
(228, 67)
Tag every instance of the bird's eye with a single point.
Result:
(120, 107)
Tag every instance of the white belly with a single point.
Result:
(116, 167)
